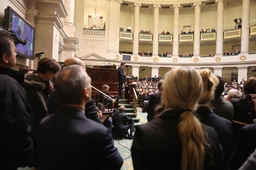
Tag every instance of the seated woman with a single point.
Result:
(176, 139)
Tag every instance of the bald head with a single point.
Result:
(73, 61)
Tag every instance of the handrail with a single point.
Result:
(135, 99)
(101, 92)
(113, 100)
(240, 123)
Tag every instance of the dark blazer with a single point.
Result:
(16, 145)
(90, 109)
(121, 75)
(245, 145)
(244, 109)
(120, 120)
(156, 144)
(223, 108)
(68, 140)
(154, 100)
(223, 128)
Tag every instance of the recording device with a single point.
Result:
(12, 34)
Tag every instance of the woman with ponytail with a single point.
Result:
(176, 139)
(222, 126)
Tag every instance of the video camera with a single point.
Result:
(12, 34)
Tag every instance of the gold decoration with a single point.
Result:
(217, 59)
(135, 58)
(155, 59)
(242, 58)
(175, 60)
(195, 60)
(117, 57)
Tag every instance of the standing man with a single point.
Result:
(121, 78)
(16, 146)
(69, 140)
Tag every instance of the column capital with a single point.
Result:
(136, 4)
(156, 5)
(197, 3)
(219, 1)
(176, 5)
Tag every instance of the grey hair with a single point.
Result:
(70, 84)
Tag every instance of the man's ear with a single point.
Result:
(86, 93)
(5, 58)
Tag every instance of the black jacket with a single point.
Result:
(157, 145)
(90, 109)
(68, 140)
(16, 145)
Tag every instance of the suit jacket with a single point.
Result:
(223, 128)
(223, 108)
(68, 140)
(156, 144)
(244, 109)
(120, 120)
(90, 109)
(121, 75)
(245, 145)
(154, 100)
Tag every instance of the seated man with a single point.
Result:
(107, 100)
(123, 123)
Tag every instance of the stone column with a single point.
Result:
(119, 2)
(219, 40)
(175, 47)
(135, 71)
(245, 27)
(242, 73)
(31, 16)
(217, 71)
(136, 29)
(49, 28)
(112, 27)
(155, 34)
(154, 71)
(197, 30)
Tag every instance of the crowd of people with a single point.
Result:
(189, 127)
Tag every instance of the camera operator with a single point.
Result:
(16, 146)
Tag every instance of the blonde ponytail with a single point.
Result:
(192, 141)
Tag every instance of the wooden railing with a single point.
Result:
(134, 102)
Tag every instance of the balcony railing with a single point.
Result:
(186, 37)
(211, 36)
(165, 38)
(91, 32)
(126, 35)
(253, 30)
(145, 37)
(232, 34)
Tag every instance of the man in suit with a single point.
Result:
(53, 101)
(244, 146)
(121, 78)
(69, 140)
(154, 100)
(123, 124)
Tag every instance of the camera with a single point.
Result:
(12, 34)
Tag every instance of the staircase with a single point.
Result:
(128, 109)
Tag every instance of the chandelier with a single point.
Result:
(95, 15)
